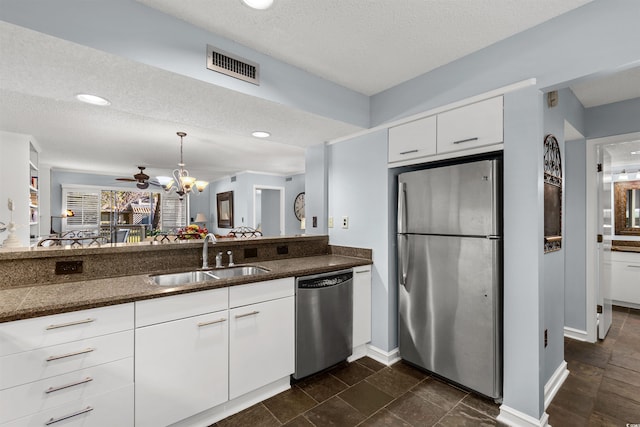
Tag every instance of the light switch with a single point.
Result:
(330, 222)
(345, 222)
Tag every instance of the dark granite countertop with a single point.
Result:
(625, 248)
(43, 300)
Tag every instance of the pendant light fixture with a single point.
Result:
(182, 182)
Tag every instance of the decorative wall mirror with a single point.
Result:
(552, 195)
(626, 200)
(225, 209)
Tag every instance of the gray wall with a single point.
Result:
(293, 187)
(269, 212)
(613, 119)
(358, 188)
(315, 184)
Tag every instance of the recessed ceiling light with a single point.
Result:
(635, 152)
(258, 4)
(261, 134)
(92, 99)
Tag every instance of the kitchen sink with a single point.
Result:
(178, 279)
(225, 273)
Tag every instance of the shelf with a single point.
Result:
(33, 206)
(33, 166)
(33, 223)
(34, 189)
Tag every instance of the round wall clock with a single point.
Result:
(298, 206)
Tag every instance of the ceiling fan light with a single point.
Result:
(258, 4)
(261, 134)
(164, 180)
(201, 185)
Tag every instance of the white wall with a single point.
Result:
(15, 176)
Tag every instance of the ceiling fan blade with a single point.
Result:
(126, 179)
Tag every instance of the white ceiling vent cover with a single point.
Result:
(232, 65)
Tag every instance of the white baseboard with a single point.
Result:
(625, 304)
(514, 418)
(555, 382)
(213, 415)
(576, 334)
(385, 357)
(358, 353)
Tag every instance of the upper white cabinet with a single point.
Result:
(412, 140)
(471, 126)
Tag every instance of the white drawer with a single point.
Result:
(34, 365)
(110, 409)
(261, 291)
(150, 312)
(473, 125)
(37, 396)
(29, 334)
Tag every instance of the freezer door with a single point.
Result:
(458, 200)
(449, 309)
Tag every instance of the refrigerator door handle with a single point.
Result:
(403, 259)
(402, 207)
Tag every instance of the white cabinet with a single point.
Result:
(625, 286)
(413, 139)
(361, 305)
(261, 334)
(181, 363)
(471, 126)
(76, 367)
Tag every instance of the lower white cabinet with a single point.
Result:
(261, 344)
(114, 408)
(625, 272)
(181, 366)
(361, 305)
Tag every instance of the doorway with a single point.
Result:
(268, 210)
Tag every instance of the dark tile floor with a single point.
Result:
(367, 393)
(603, 389)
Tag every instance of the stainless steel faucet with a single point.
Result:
(205, 249)
(231, 264)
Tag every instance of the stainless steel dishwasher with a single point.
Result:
(324, 321)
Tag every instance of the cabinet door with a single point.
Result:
(626, 282)
(180, 368)
(261, 344)
(471, 126)
(361, 305)
(413, 139)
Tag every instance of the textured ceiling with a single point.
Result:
(367, 46)
(605, 90)
(371, 45)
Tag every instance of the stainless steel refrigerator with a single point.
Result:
(449, 268)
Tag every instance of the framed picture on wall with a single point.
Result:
(225, 209)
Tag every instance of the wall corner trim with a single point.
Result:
(385, 357)
(555, 382)
(515, 418)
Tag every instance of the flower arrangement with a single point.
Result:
(192, 231)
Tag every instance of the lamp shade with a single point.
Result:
(200, 217)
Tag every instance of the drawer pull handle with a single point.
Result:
(246, 314)
(64, 325)
(408, 152)
(362, 271)
(633, 266)
(62, 356)
(66, 417)
(465, 140)
(213, 322)
(62, 387)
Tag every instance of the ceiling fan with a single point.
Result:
(141, 178)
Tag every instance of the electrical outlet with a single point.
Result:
(345, 222)
(330, 222)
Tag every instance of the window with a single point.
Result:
(86, 209)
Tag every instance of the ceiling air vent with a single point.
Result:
(232, 65)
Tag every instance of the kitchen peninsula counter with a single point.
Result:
(45, 299)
